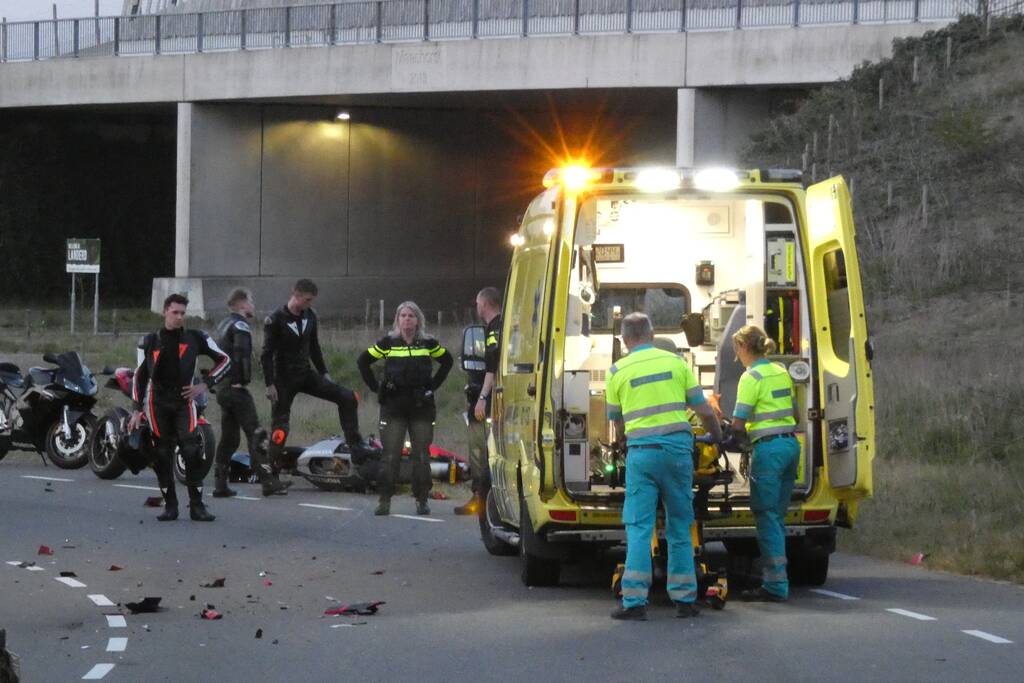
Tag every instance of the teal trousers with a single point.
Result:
(772, 474)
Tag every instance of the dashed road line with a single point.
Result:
(325, 507)
(98, 672)
(912, 615)
(117, 644)
(101, 600)
(68, 581)
(988, 636)
(31, 567)
(419, 518)
(833, 594)
(247, 498)
(136, 486)
(32, 476)
(116, 621)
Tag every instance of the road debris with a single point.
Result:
(26, 565)
(210, 614)
(216, 583)
(379, 572)
(259, 633)
(349, 624)
(268, 582)
(356, 608)
(918, 558)
(70, 575)
(44, 550)
(439, 495)
(115, 568)
(154, 502)
(144, 606)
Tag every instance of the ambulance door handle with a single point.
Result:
(531, 390)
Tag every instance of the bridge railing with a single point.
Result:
(389, 21)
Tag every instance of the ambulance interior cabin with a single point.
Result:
(701, 267)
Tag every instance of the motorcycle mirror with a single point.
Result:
(50, 358)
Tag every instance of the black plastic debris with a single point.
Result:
(144, 606)
(259, 633)
(216, 583)
(70, 575)
(356, 608)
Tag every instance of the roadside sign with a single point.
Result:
(83, 256)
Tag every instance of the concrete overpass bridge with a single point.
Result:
(454, 108)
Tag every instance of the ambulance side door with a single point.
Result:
(841, 341)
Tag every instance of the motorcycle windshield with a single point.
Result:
(74, 374)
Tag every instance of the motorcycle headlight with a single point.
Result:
(71, 386)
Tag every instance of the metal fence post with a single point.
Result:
(332, 16)
(288, 26)
(796, 13)
(380, 20)
(35, 40)
(476, 18)
(629, 16)
(739, 13)
(3, 40)
(242, 29)
(856, 11)
(917, 10)
(682, 17)
(526, 18)
(117, 36)
(74, 37)
(426, 19)
(576, 17)
(199, 32)
(156, 35)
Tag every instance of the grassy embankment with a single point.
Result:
(312, 419)
(937, 171)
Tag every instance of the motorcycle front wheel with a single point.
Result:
(207, 451)
(70, 453)
(103, 447)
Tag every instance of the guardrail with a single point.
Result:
(389, 21)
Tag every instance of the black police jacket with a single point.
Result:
(407, 367)
(290, 344)
(191, 343)
(234, 336)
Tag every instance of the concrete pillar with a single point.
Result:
(183, 204)
(685, 129)
(713, 124)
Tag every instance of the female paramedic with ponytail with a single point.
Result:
(765, 408)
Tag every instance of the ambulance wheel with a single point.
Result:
(489, 520)
(808, 569)
(535, 570)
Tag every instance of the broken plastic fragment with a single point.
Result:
(917, 559)
(259, 633)
(268, 582)
(360, 608)
(154, 502)
(216, 583)
(70, 575)
(115, 568)
(439, 495)
(146, 605)
(210, 614)
(44, 550)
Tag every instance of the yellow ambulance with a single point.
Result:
(702, 252)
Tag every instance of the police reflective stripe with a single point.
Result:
(654, 410)
(694, 393)
(437, 351)
(409, 351)
(376, 352)
(756, 434)
(658, 430)
(648, 379)
(774, 415)
(781, 393)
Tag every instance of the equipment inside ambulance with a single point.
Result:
(703, 254)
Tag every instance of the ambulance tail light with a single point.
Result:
(816, 516)
(563, 515)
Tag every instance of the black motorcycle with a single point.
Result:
(114, 448)
(49, 410)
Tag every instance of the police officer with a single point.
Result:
(290, 344)
(648, 392)
(163, 387)
(406, 395)
(478, 398)
(765, 410)
(237, 409)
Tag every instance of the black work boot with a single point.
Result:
(638, 613)
(422, 508)
(220, 484)
(760, 595)
(686, 610)
(383, 507)
(196, 510)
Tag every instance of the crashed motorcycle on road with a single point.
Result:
(48, 410)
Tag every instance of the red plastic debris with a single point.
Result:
(44, 550)
(268, 582)
(210, 614)
(439, 495)
(115, 568)
(154, 502)
(917, 559)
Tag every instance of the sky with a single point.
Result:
(25, 10)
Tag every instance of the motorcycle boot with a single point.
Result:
(166, 482)
(383, 507)
(220, 483)
(196, 510)
(422, 508)
(270, 484)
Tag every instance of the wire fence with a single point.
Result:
(419, 20)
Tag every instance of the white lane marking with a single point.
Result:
(324, 507)
(101, 600)
(912, 615)
(34, 568)
(68, 581)
(116, 621)
(988, 636)
(418, 518)
(32, 476)
(246, 498)
(31, 567)
(833, 594)
(14, 563)
(135, 486)
(117, 644)
(98, 672)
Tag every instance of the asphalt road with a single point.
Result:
(452, 612)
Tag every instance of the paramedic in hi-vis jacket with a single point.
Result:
(648, 392)
(765, 408)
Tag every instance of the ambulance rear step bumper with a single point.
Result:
(710, 534)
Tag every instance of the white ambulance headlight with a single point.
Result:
(657, 180)
(716, 180)
(800, 371)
